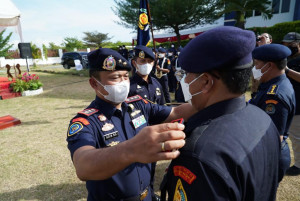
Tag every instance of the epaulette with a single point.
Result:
(82, 120)
(88, 112)
(273, 89)
(133, 99)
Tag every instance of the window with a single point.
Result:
(275, 6)
(285, 7)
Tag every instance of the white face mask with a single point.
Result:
(186, 89)
(144, 69)
(257, 74)
(116, 93)
(161, 55)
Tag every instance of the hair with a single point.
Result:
(237, 81)
(95, 74)
(280, 64)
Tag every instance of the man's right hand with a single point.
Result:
(147, 146)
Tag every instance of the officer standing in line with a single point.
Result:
(292, 41)
(171, 74)
(163, 67)
(232, 147)
(111, 143)
(275, 94)
(179, 73)
(142, 83)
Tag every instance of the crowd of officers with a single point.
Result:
(222, 147)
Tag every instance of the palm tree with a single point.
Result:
(242, 7)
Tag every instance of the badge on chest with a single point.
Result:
(139, 121)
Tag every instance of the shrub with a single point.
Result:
(27, 82)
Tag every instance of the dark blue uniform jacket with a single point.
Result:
(102, 125)
(231, 153)
(277, 98)
(151, 91)
(295, 65)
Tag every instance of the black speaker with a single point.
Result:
(25, 50)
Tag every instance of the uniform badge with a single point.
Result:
(107, 127)
(113, 143)
(75, 128)
(272, 101)
(142, 54)
(184, 173)
(270, 109)
(82, 120)
(101, 117)
(179, 194)
(88, 112)
(133, 99)
(137, 122)
(273, 89)
(109, 63)
(138, 87)
(136, 112)
(158, 92)
(111, 135)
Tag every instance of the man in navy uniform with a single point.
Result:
(141, 82)
(163, 67)
(232, 147)
(275, 93)
(112, 146)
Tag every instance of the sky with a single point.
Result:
(45, 21)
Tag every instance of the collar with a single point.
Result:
(267, 84)
(214, 111)
(140, 80)
(108, 109)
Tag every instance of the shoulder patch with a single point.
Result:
(82, 120)
(270, 109)
(273, 89)
(271, 101)
(179, 193)
(133, 99)
(74, 128)
(184, 173)
(88, 112)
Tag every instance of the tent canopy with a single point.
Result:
(10, 16)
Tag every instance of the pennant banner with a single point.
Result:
(143, 36)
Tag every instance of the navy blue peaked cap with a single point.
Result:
(162, 50)
(105, 59)
(271, 52)
(143, 52)
(222, 47)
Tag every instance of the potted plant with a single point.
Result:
(28, 85)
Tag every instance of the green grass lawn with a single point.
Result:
(35, 162)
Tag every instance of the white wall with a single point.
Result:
(22, 62)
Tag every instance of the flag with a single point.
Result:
(143, 36)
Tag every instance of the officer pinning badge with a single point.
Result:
(111, 135)
(109, 63)
(74, 128)
(88, 112)
(142, 54)
(101, 117)
(158, 92)
(113, 143)
(179, 194)
(270, 109)
(107, 127)
(137, 122)
(184, 173)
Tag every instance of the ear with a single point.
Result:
(133, 63)
(207, 82)
(93, 83)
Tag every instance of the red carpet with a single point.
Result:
(5, 91)
(8, 121)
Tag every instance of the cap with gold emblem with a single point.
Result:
(105, 59)
(143, 52)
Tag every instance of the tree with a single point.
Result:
(95, 39)
(170, 14)
(72, 43)
(53, 46)
(4, 46)
(242, 7)
(36, 52)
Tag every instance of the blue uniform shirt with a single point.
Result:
(294, 64)
(231, 153)
(150, 90)
(277, 98)
(102, 125)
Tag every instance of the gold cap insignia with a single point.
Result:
(142, 54)
(109, 63)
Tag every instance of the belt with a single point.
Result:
(139, 197)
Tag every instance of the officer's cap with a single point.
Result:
(143, 52)
(105, 59)
(271, 52)
(221, 47)
(291, 37)
(162, 50)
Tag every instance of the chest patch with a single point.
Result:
(179, 194)
(88, 112)
(74, 128)
(111, 135)
(158, 92)
(137, 122)
(107, 127)
(184, 173)
(114, 143)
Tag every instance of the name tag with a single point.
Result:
(137, 122)
(111, 135)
